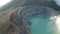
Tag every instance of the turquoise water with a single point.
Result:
(40, 25)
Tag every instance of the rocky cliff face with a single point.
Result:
(19, 18)
(5, 16)
(49, 3)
